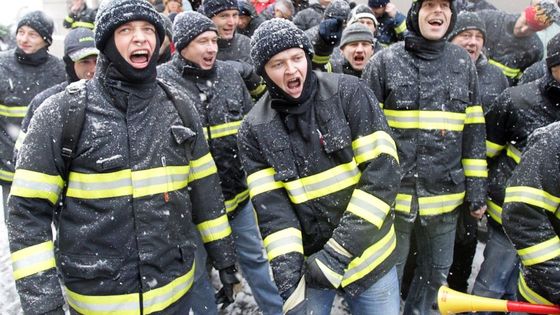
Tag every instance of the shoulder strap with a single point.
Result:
(174, 97)
(74, 112)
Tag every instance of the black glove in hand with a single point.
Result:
(475, 205)
(329, 278)
(330, 30)
(230, 286)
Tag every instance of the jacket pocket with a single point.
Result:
(234, 110)
(457, 177)
(90, 267)
(115, 162)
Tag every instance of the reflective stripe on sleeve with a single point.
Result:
(262, 181)
(401, 28)
(403, 203)
(222, 130)
(33, 259)
(213, 230)
(371, 146)
(530, 295)
(202, 167)
(372, 257)
(514, 153)
(368, 207)
(6, 176)
(13, 111)
(494, 210)
(475, 115)
(475, 167)
(332, 276)
(427, 120)
(232, 204)
(283, 242)
(493, 149)
(511, 73)
(532, 196)
(435, 205)
(30, 184)
(540, 252)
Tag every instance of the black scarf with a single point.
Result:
(131, 74)
(551, 89)
(190, 69)
(37, 58)
(423, 48)
(348, 69)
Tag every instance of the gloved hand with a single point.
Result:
(476, 208)
(330, 30)
(247, 72)
(325, 268)
(230, 286)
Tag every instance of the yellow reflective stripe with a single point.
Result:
(428, 120)
(475, 115)
(104, 185)
(83, 24)
(33, 259)
(512, 73)
(368, 207)
(475, 167)
(372, 257)
(530, 295)
(202, 167)
(13, 111)
(371, 146)
(296, 297)
(435, 205)
(540, 252)
(401, 28)
(403, 203)
(258, 90)
(223, 130)
(159, 180)
(19, 140)
(493, 149)
(213, 230)
(69, 19)
(262, 181)
(332, 243)
(494, 210)
(514, 153)
(532, 196)
(381, 105)
(320, 59)
(333, 277)
(30, 184)
(283, 242)
(129, 304)
(232, 204)
(324, 183)
(329, 67)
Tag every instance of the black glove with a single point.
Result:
(330, 30)
(230, 286)
(318, 278)
(475, 205)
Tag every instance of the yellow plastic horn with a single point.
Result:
(451, 302)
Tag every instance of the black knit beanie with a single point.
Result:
(377, 3)
(553, 51)
(113, 13)
(213, 7)
(188, 25)
(467, 21)
(40, 22)
(412, 17)
(337, 9)
(274, 36)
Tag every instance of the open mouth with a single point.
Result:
(359, 58)
(435, 22)
(294, 83)
(140, 56)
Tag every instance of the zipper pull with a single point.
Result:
(165, 193)
(321, 139)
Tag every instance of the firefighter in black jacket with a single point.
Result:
(429, 92)
(141, 185)
(222, 101)
(79, 15)
(25, 71)
(515, 114)
(531, 216)
(322, 173)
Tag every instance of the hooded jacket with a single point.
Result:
(221, 105)
(429, 93)
(141, 185)
(515, 114)
(512, 54)
(20, 83)
(531, 216)
(309, 17)
(312, 190)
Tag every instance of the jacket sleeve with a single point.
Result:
(497, 125)
(209, 213)
(367, 221)
(530, 207)
(399, 25)
(474, 149)
(374, 77)
(277, 220)
(34, 195)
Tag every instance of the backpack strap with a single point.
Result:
(73, 114)
(173, 95)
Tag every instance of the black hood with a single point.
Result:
(412, 18)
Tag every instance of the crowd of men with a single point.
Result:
(313, 148)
